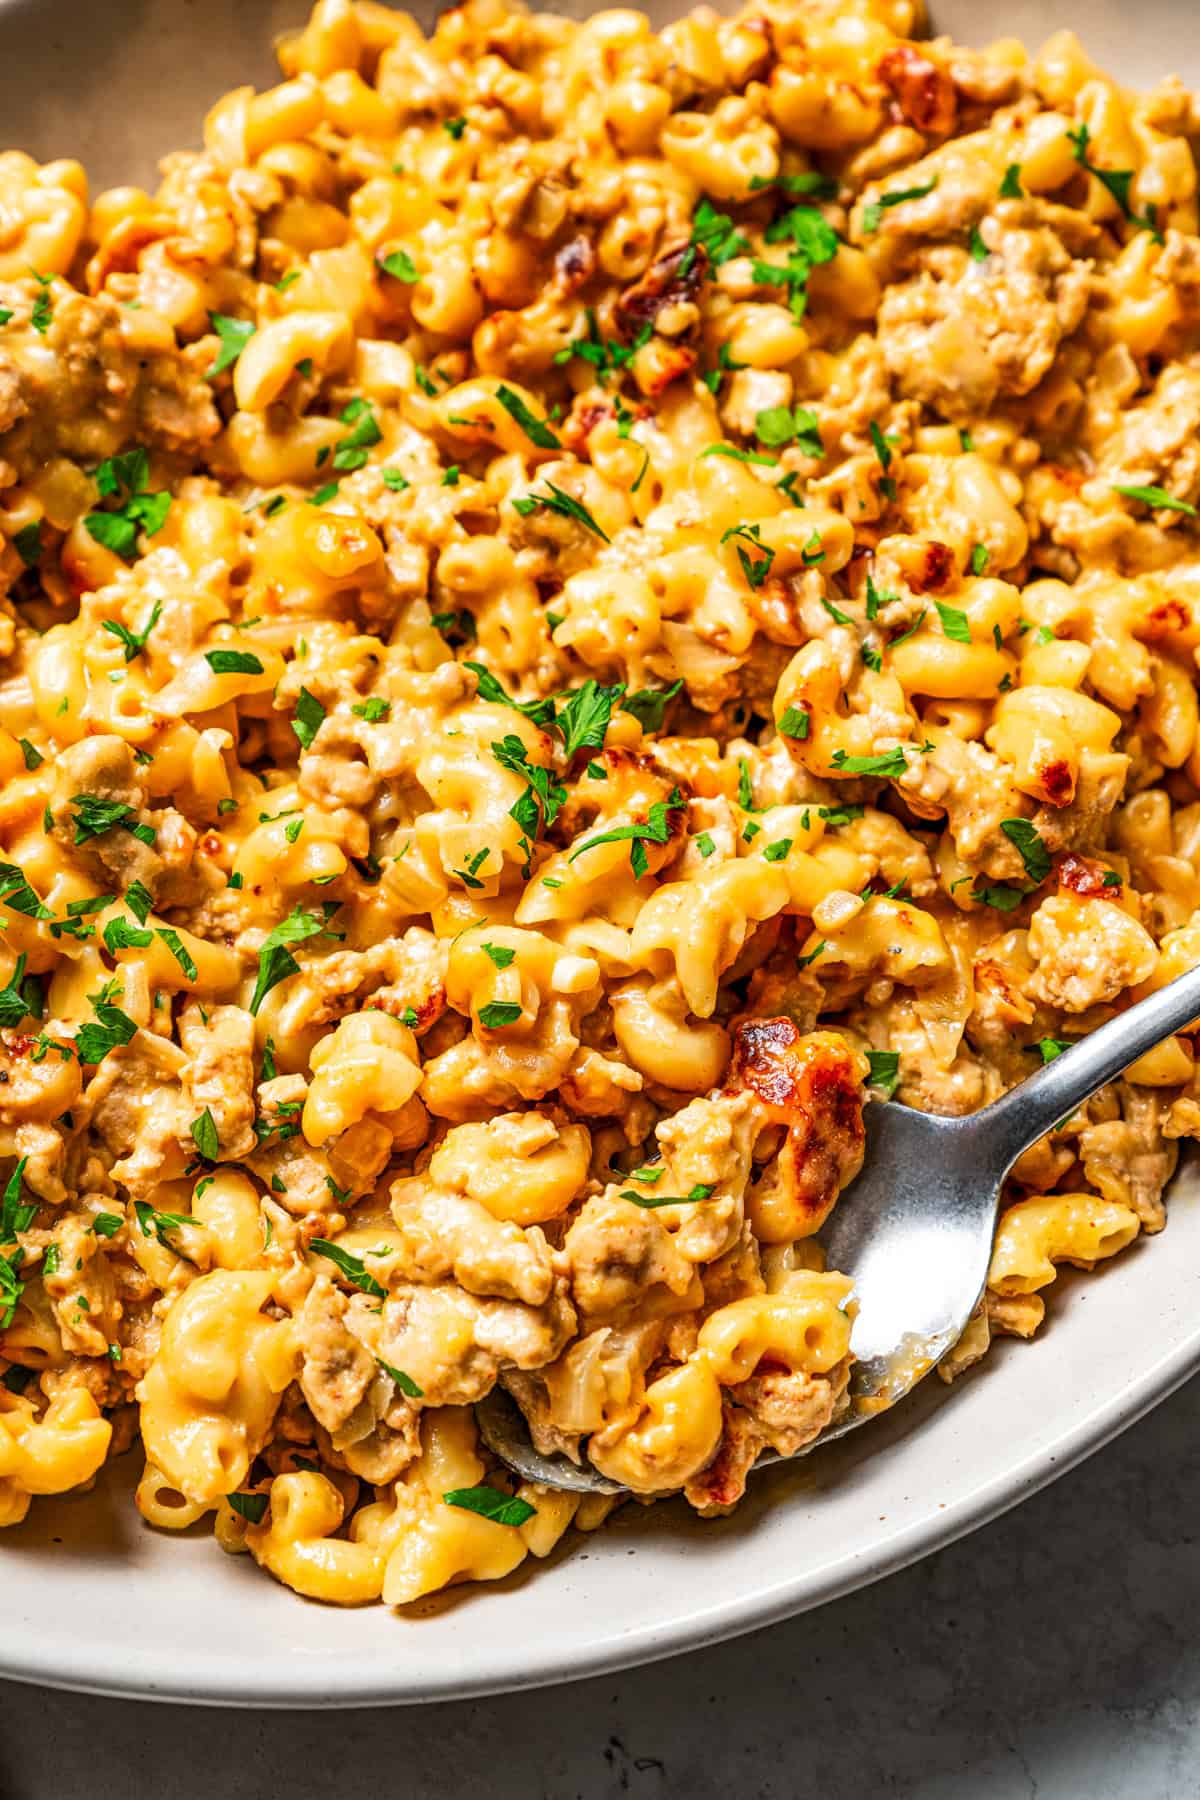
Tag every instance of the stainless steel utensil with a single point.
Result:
(915, 1229)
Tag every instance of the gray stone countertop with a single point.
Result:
(1054, 1653)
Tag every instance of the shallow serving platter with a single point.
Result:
(95, 1599)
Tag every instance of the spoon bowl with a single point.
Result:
(914, 1230)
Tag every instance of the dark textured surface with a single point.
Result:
(1055, 1653)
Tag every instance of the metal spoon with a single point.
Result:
(915, 1229)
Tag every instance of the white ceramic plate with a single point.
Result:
(95, 1599)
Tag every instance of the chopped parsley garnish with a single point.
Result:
(251, 1507)
(1010, 187)
(490, 1503)
(562, 503)
(1118, 183)
(655, 830)
(179, 951)
(15, 1214)
(535, 429)
(648, 705)
(979, 559)
(404, 1382)
(778, 850)
(32, 757)
(93, 816)
(498, 1013)
(500, 954)
(110, 1029)
(605, 355)
(716, 234)
(401, 265)
(204, 1135)
(872, 213)
(106, 1224)
(132, 642)
(350, 1266)
(978, 250)
(885, 1071)
(310, 716)
(1028, 841)
(16, 892)
(892, 764)
(20, 996)
(455, 127)
(120, 934)
(755, 567)
(796, 723)
(1154, 496)
(125, 476)
(350, 452)
(1052, 1047)
(28, 544)
(372, 709)
(233, 662)
(1001, 895)
(139, 900)
(705, 844)
(736, 455)
(234, 335)
(583, 718)
(954, 622)
(275, 960)
(779, 425)
(702, 1191)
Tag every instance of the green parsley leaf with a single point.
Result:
(251, 1507)
(535, 429)
(1117, 182)
(350, 452)
(1052, 1047)
(892, 764)
(490, 1503)
(755, 569)
(796, 723)
(498, 1013)
(32, 757)
(93, 816)
(133, 642)
(310, 716)
(404, 1382)
(583, 718)
(111, 1029)
(1028, 841)
(1010, 187)
(350, 1266)
(179, 951)
(455, 127)
(978, 249)
(736, 455)
(15, 1214)
(1154, 496)
(139, 900)
(562, 503)
(885, 1071)
(705, 844)
(106, 1224)
(234, 335)
(400, 264)
(778, 850)
(649, 705)
(872, 213)
(28, 544)
(204, 1135)
(275, 960)
(157, 1224)
(372, 709)
(979, 559)
(499, 954)
(11, 1287)
(233, 662)
(779, 425)
(954, 623)
(715, 233)
(1001, 895)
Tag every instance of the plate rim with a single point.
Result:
(141, 1676)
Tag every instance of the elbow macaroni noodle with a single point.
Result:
(572, 602)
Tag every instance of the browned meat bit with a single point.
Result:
(811, 1085)
(924, 93)
(1091, 880)
(575, 264)
(672, 281)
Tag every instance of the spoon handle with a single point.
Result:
(1019, 1118)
